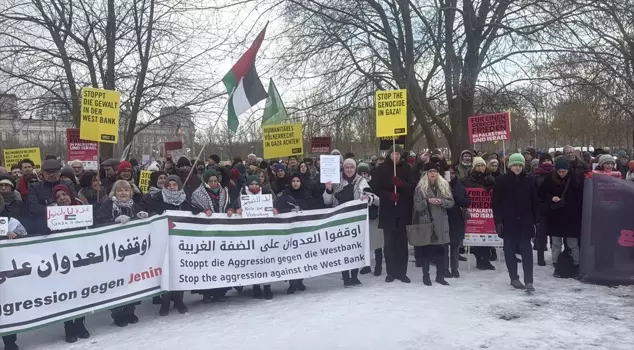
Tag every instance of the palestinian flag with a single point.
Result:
(274, 111)
(243, 84)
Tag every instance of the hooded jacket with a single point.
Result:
(462, 171)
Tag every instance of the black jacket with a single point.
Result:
(562, 221)
(479, 180)
(291, 199)
(153, 204)
(41, 196)
(514, 203)
(393, 217)
(456, 220)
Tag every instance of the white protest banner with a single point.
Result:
(52, 278)
(220, 252)
(257, 206)
(67, 217)
(329, 169)
(4, 226)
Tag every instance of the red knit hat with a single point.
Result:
(234, 174)
(124, 166)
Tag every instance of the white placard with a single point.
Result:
(256, 206)
(4, 226)
(67, 217)
(329, 169)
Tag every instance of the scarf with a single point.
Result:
(121, 207)
(8, 197)
(204, 199)
(175, 198)
(543, 168)
(350, 179)
(153, 190)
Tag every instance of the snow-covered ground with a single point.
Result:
(469, 314)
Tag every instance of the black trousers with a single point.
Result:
(9, 339)
(436, 253)
(395, 251)
(451, 255)
(523, 244)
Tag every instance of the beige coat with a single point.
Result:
(438, 213)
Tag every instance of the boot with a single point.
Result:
(181, 307)
(9, 342)
(540, 258)
(378, 261)
(365, 270)
(239, 289)
(517, 284)
(529, 287)
(165, 308)
(346, 279)
(426, 280)
(207, 298)
(80, 329)
(576, 272)
(487, 265)
(11, 346)
(448, 274)
(157, 300)
(480, 264)
(291, 288)
(404, 279)
(268, 295)
(389, 278)
(441, 280)
(462, 258)
(355, 279)
(119, 318)
(494, 255)
(129, 314)
(300, 285)
(378, 269)
(455, 274)
(257, 292)
(69, 330)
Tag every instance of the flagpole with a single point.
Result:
(212, 129)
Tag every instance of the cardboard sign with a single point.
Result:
(282, 140)
(144, 180)
(329, 169)
(320, 144)
(99, 115)
(490, 127)
(257, 206)
(4, 226)
(170, 146)
(85, 151)
(15, 155)
(67, 217)
(391, 113)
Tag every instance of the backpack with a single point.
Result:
(565, 265)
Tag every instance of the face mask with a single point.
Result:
(215, 186)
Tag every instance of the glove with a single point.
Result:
(393, 197)
(499, 229)
(142, 215)
(122, 219)
(397, 182)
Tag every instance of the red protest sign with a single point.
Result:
(490, 127)
(481, 212)
(171, 146)
(320, 144)
(85, 151)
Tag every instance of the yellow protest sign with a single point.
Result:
(391, 113)
(144, 180)
(282, 140)
(99, 115)
(14, 156)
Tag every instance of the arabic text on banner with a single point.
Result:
(209, 253)
(67, 217)
(257, 206)
(79, 272)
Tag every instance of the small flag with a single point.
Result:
(274, 111)
(243, 84)
(70, 217)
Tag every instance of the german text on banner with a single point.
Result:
(85, 151)
(480, 228)
(62, 276)
(490, 127)
(209, 253)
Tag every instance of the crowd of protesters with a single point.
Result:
(534, 196)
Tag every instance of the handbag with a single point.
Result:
(417, 233)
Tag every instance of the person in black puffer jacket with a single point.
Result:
(41, 196)
(456, 224)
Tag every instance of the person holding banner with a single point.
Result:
(171, 197)
(120, 209)
(516, 212)
(352, 186)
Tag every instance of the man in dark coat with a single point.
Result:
(516, 211)
(542, 171)
(456, 224)
(41, 195)
(395, 212)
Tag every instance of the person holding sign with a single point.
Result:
(211, 197)
(352, 186)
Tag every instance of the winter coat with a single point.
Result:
(456, 219)
(514, 204)
(107, 183)
(376, 234)
(562, 221)
(479, 180)
(315, 189)
(440, 225)
(278, 185)
(299, 199)
(394, 217)
(40, 196)
(462, 171)
(106, 216)
(154, 205)
(340, 193)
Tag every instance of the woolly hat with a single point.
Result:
(605, 158)
(562, 163)
(363, 168)
(253, 178)
(432, 166)
(176, 179)
(124, 166)
(154, 178)
(183, 161)
(492, 161)
(215, 158)
(234, 174)
(279, 167)
(397, 149)
(64, 188)
(516, 159)
(68, 172)
(545, 156)
(534, 163)
(209, 173)
(350, 161)
(477, 161)
(8, 180)
(621, 154)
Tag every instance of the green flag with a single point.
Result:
(274, 111)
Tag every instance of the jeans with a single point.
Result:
(396, 252)
(573, 244)
(511, 243)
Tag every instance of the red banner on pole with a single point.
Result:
(85, 151)
(320, 144)
(490, 127)
(171, 146)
